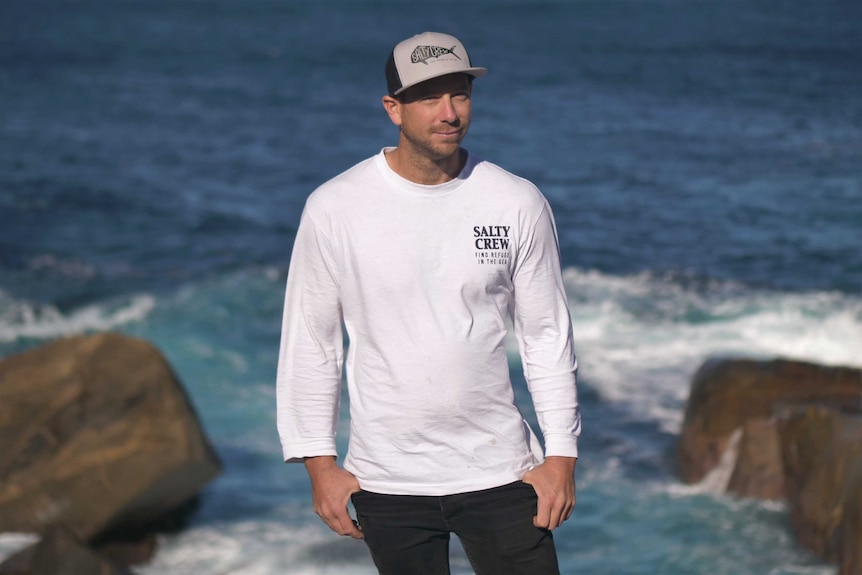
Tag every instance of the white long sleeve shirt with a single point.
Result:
(422, 278)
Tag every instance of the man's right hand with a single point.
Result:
(331, 488)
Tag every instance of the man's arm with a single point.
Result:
(309, 374)
(331, 488)
(544, 331)
(308, 381)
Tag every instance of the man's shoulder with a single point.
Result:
(342, 189)
(502, 183)
(356, 175)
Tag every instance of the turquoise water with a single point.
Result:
(702, 159)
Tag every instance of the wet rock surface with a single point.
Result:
(793, 431)
(101, 444)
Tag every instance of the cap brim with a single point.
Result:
(475, 72)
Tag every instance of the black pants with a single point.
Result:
(409, 535)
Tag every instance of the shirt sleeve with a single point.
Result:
(308, 383)
(543, 328)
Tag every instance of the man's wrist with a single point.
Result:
(562, 461)
(319, 463)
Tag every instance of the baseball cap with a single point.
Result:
(425, 56)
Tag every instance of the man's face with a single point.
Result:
(434, 116)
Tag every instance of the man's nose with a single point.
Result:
(447, 112)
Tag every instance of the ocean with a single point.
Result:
(703, 159)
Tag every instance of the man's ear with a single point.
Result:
(393, 108)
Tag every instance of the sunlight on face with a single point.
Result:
(435, 115)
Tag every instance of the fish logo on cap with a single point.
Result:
(425, 53)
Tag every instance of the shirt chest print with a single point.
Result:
(491, 244)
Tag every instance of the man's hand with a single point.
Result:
(331, 487)
(554, 482)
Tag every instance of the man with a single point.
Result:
(422, 252)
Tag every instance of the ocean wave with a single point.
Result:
(640, 338)
(20, 319)
(246, 547)
(717, 480)
(259, 548)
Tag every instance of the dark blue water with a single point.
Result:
(703, 158)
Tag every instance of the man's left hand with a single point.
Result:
(554, 482)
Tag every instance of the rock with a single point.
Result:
(851, 527)
(131, 548)
(60, 553)
(822, 451)
(759, 470)
(103, 556)
(727, 393)
(788, 430)
(19, 563)
(98, 437)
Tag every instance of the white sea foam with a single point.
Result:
(718, 478)
(640, 338)
(260, 548)
(22, 319)
(11, 543)
(245, 548)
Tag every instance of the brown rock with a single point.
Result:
(128, 551)
(98, 436)
(109, 556)
(822, 451)
(60, 553)
(851, 526)
(759, 471)
(19, 563)
(727, 393)
(800, 437)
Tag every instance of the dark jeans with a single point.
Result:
(409, 535)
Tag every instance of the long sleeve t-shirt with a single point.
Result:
(422, 278)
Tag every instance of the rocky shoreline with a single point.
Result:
(102, 450)
(783, 430)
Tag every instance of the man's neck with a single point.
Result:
(423, 170)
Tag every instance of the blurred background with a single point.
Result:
(703, 159)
